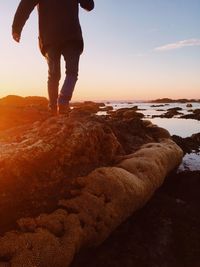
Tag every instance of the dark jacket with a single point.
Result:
(58, 20)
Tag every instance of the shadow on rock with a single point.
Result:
(165, 233)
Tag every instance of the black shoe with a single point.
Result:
(63, 109)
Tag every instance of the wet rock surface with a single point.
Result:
(171, 112)
(195, 115)
(191, 148)
(188, 144)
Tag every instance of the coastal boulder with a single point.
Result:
(74, 180)
(106, 197)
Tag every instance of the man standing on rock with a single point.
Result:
(59, 34)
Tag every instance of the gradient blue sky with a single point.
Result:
(134, 49)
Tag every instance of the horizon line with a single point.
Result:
(111, 100)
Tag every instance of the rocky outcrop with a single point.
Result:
(70, 181)
(37, 160)
(189, 105)
(195, 115)
(169, 100)
(126, 113)
(51, 153)
(102, 201)
(188, 144)
(19, 101)
(171, 112)
(88, 106)
(191, 148)
(17, 110)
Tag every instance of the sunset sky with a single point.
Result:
(134, 49)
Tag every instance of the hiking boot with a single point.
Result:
(63, 109)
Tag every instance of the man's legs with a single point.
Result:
(53, 56)
(71, 55)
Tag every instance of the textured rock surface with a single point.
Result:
(37, 162)
(68, 183)
(103, 200)
(17, 110)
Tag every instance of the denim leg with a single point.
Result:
(53, 56)
(71, 56)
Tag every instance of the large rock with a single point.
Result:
(88, 106)
(194, 116)
(102, 201)
(19, 101)
(69, 182)
(37, 161)
(17, 110)
(188, 144)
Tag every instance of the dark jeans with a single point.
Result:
(71, 53)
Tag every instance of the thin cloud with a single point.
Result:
(178, 45)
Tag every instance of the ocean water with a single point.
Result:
(181, 127)
(176, 126)
(190, 162)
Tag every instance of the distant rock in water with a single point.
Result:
(195, 115)
(189, 105)
(170, 113)
(188, 144)
(169, 100)
(67, 183)
(106, 108)
(126, 113)
(158, 106)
